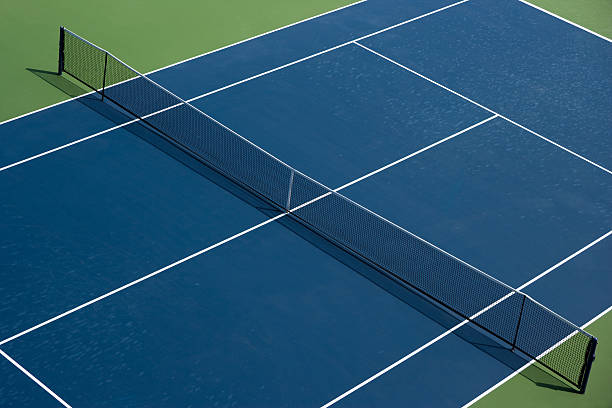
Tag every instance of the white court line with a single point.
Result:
(121, 288)
(257, 36)
(566, 20)
(413, 353)
(392, 366)
(36, 380)
(483, 107)
(572, 256)
(417, 152)
(244, 80)
(45, 108)
(330, 49)
(557, 145)
(464, 322)
(514, 374)
(180, 261)
(197, 56)
(67, 145)
(87, 138)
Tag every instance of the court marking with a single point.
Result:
(463, 323)
(514, 374)
(259, 225)
(572, 256)
(355, 42)
(276, 218)
(195, 57)
(329, 50)
(66, 145)
(484, 107)
(370, 174)
(392, 366)
(279, 29)
(36, 380)
(143, 278)
(234, 84)
(415, 352)
(202, 251)
(603, 37)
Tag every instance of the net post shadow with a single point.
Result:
(91, 100)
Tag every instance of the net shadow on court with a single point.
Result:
(446, 318)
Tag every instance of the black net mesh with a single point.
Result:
(557, 342)
(495, 307)
(85, 61)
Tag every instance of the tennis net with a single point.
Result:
(511, 316)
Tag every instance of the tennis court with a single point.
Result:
(389, 204)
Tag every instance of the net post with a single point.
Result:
(104, 74)
(288, 207)
(518, 324)
(589, 358)
(60, 60)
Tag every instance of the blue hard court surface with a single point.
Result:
(135, 277)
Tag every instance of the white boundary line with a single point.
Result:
(132, 283)
(392, 366)
(464, 322)
(566, 20)
(415, 352)
(257, 226)
(572, 256)
(36, 380)
(331, 49)
(196, 56)
(426, 345)
(258, 36)
(44, 108)
(417, 152)
(354, 41)
(514, 374)
(67, 145)
(483, 107)
(243, 81)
